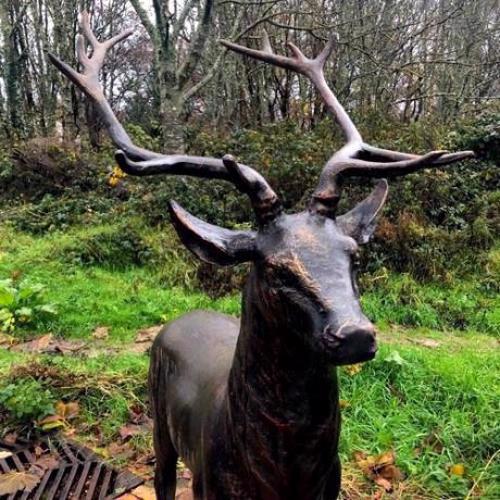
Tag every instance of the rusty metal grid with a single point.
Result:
(80, 474)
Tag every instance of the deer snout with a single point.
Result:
(354, 342)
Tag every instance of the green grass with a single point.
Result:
(434, 407)
(124, 298)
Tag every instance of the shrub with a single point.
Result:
(116, 246)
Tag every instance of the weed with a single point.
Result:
(22, 304)
(27, 400)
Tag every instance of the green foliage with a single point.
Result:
(482, 135)
(117, 247)
(22, 304)
(461, 305)
(27, 400)
(435, 408)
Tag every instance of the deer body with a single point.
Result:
(247, 427)
(252, 407)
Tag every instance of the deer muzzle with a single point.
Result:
(352, 342)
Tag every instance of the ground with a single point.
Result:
(420, 421)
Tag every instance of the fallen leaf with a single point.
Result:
(137, 416)
(12, 482)
(384, 483)
(44, 463)
(380, 468)
(37, 345)
(65, 346)
(51, 422)
(120, 450)
(6, 340)
(343, 403)
(129, 430)
(353, 369)
(47, 344)
(457, 469)
(5, 454)
(10, 438)
(148, 334)
(144, 493)
(67, 410)
(101, 332)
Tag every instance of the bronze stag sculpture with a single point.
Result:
(251, 405)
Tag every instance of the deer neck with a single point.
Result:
(282, 403)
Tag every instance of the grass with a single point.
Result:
(434, 406)
(124, 298)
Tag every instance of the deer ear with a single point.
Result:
(360, 222)
(212, 244)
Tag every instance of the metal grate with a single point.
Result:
(79, 475)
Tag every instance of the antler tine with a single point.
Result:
(265, 202)
(88, 83)
(356, 158)
(313, 69)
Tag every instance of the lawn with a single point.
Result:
(431, 396)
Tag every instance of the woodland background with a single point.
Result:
(84, 247)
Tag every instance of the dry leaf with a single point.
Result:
(148, 334)
(46, 343)
(129, 430)
(10, 438)
(353, 369)
(51, 422)
(457, 469)
(144, 493)
(39, 344)
(343, 403)
(65, 346)
(12, 482)
(6, 340)
(380, 469)
(101, 332)
(67, 410)
(44, 463)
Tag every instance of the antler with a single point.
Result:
(264, 200)
(356, 158)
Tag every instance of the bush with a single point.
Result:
(116, 246)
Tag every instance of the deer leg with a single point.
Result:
(166, 454)
(332, 488)
(166, 468)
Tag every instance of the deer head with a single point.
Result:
(305, 263)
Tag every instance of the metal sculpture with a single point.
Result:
(251, 405)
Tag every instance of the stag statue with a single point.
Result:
(252, 405)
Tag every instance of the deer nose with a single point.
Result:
(356, 342)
